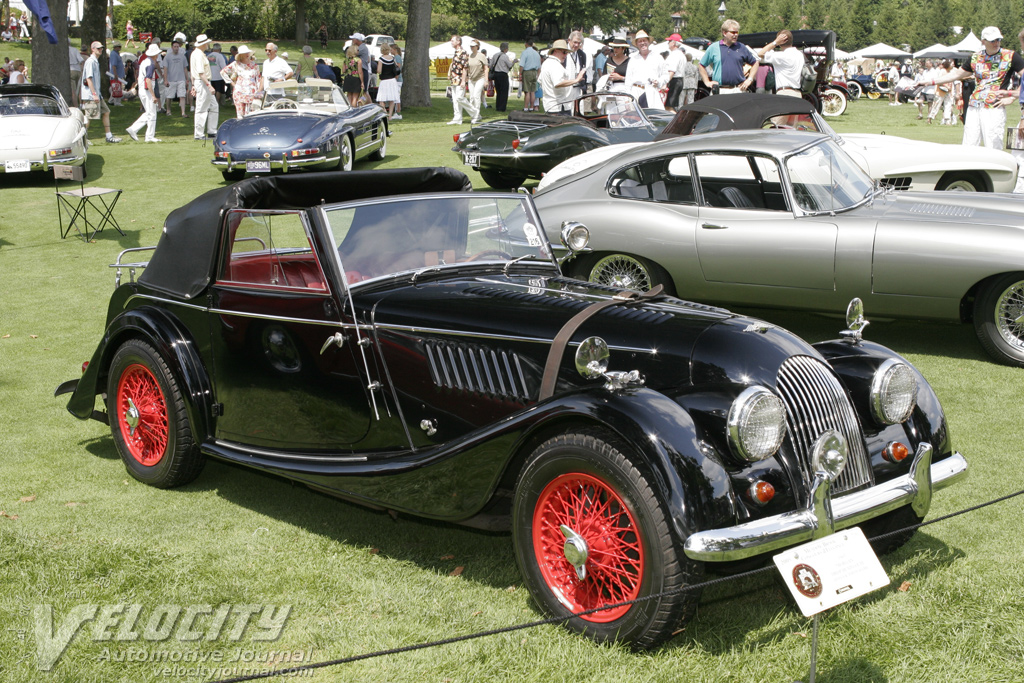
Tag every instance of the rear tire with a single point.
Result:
(585, 482)
(382, 151)
(503, 181)
(148, 418)
(874, 95)
(233, 176)
(345, 158)
(833, 102)
(999, 318)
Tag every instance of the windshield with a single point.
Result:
(23, 105)
(620, 111)
(825, 178)
(383, 238)
(312, 95)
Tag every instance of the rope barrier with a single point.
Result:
(559, 620)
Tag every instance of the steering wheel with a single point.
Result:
(284, 104)
(490, 252)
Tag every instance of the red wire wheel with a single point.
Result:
(615, 558)
(142, 414)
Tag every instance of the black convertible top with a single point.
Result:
(738, 111)
(185, 256)
(30, 89)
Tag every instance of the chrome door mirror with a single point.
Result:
(855, 322)
(592, 358)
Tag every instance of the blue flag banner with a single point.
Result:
(42, 13)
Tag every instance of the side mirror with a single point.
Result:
(855, 322)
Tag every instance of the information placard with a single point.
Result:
(830, 571)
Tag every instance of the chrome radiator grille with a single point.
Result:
(816, 401)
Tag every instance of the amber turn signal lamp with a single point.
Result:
(761, 492)
(895, 452)
(515, 144)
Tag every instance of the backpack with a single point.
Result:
(808, 78)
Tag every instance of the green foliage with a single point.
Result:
(789, 13)
(702, 20)
(889, 29)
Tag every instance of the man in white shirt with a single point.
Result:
(217, 62)
(175, 79)
(275, 68)
(93, 105)
(674, 65)
(555, 80)
(207, 110)
(788, 62)
(577, 62)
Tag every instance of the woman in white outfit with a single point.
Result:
(388, 93)
(646, 74)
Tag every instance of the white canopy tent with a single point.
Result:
(881, 51)
(940, 51)
(968, 44)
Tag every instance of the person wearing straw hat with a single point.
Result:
(556, 81)
(147, 96)
(207, 110)
(245, 79)
(646, 74)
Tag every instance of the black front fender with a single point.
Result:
(174, 344)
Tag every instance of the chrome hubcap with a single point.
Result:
(1010, 314)
(576, 551)
(131, 417)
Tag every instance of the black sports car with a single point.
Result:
(301, 125)
(528, 144)
(421, 352)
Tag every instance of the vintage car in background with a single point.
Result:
(299, 126)
(787, 219)
(528, 144)
(421, 352)
(894, 161)
(374, 42)
(38, 129)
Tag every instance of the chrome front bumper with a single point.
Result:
(823, 515)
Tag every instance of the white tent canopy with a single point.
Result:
(881, 51)
(940, 51)
(968, 44)
(842, 55)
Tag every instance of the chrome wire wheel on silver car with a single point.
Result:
(999, 318)
(622, 270)
(833, 102)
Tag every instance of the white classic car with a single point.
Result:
(38, 129)
(374, 41)
(895, 162)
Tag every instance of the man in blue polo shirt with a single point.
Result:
(725, 59)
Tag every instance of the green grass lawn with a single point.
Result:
(77, 530)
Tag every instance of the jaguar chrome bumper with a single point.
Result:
(823, 515)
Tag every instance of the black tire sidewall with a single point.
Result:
(559, 457)
(133, 352)
(985, 324)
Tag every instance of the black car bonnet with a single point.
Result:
(185, 256)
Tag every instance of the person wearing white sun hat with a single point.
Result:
(207, 110)
(147, 96)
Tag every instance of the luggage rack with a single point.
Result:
(518, 127)
(130, 266)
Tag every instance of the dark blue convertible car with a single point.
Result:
(301, 125)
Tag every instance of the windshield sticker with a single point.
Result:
(532, 236)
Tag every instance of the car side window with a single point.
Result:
(740, 181)
(271, 250)
(658, 180)
(792, 122)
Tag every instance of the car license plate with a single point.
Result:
(471, 158)
(17, 166)
(257, 166)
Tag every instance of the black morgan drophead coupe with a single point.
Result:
(394, 339)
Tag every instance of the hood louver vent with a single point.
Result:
(476, 369)
(943, 210)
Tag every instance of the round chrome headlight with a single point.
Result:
(893, 392)
(757, 424)
(575, 236)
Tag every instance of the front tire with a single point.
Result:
(501, 180)
(963, 181)
(585, 482)
(626, 272)
(833, 102)
(148, 418)
(891, 521)
(999, 318)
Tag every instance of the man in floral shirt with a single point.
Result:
(992, 68)
(458, 76)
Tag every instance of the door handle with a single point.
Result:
(336, 338)
(712, 226)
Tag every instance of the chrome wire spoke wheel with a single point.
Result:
(1009, 313)
(620, 270)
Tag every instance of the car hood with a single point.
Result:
(583, 162)
(31, 132)
(957, 208)
(673, 343)
(891, 155)
(267, 130)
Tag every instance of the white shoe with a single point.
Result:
(132, 135)
(153, 140)
(455, 123)
(396, 117)
(475, 121)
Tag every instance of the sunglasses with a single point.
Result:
(735, 32)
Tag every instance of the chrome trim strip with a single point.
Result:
(503, 337)
(790, 528)
(504, 155)
(267, 453)
(260, 316)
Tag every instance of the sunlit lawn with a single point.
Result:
(76, 530)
